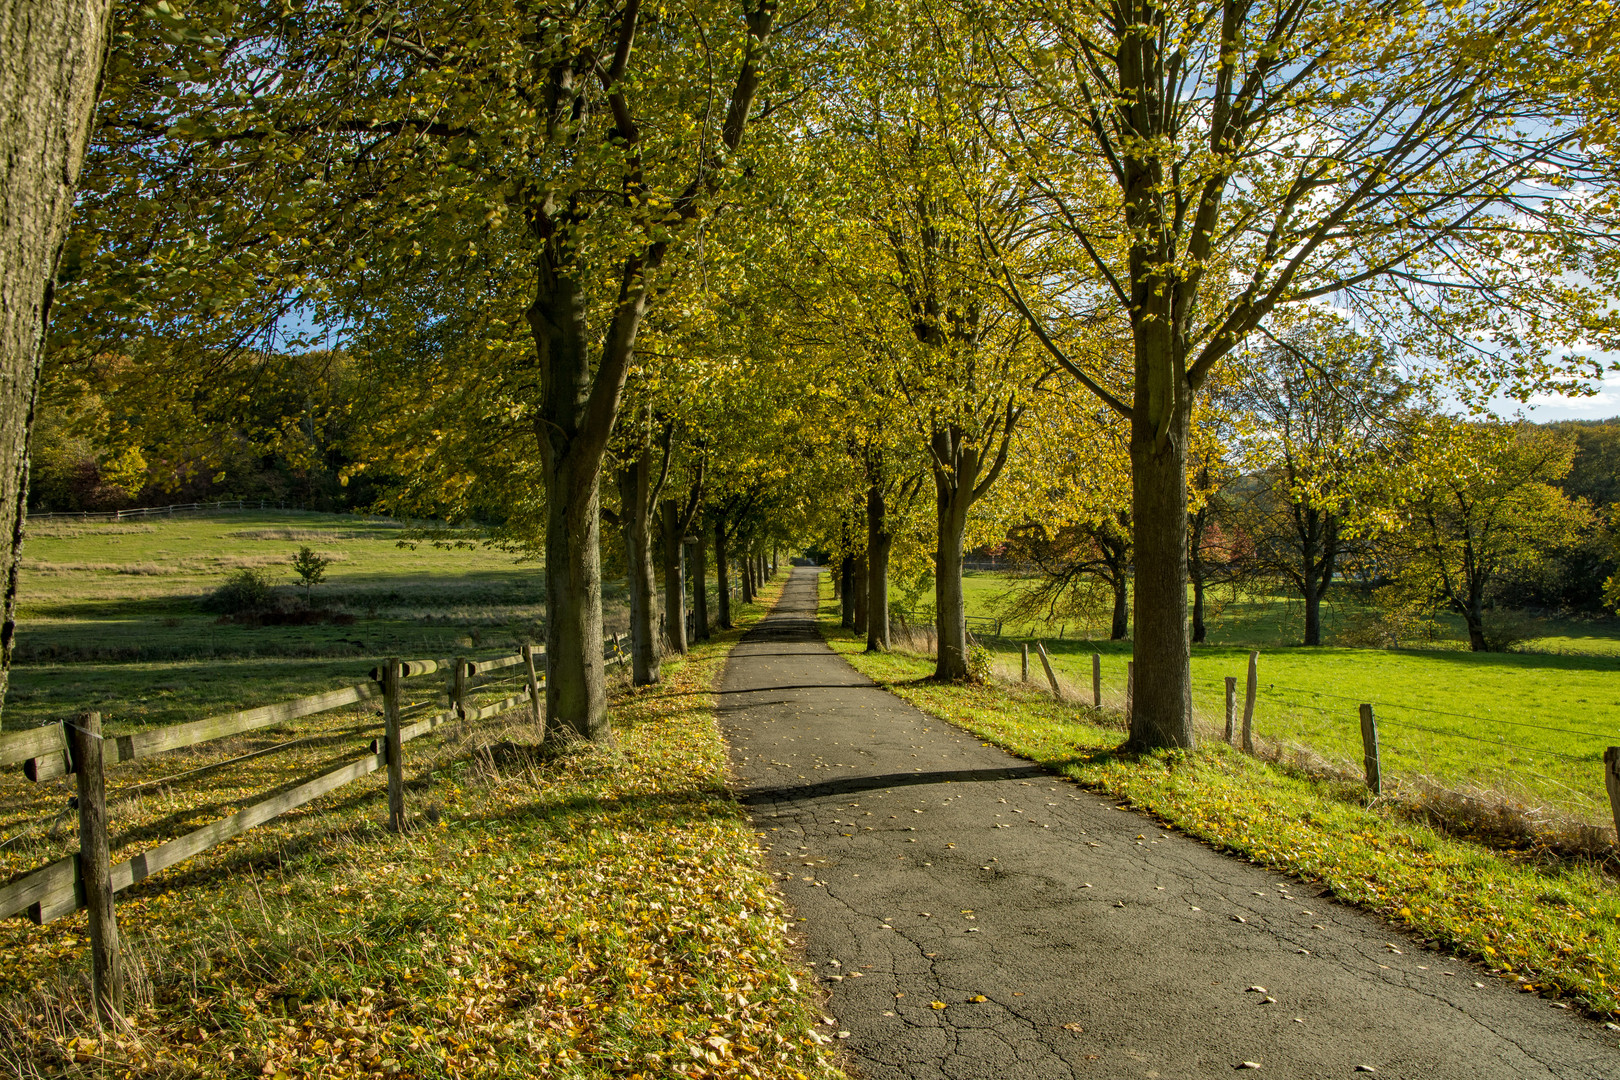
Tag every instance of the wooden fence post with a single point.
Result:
(1026, 661)
(393, 746)
(1096, 680)
(1231, 710)
(1046, 663)
(534, 689)
(1369, 751)
(95, 868)
(1130, 688)
(1248, 701)
(1611, 780)
(458, 688)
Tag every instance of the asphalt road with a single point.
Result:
(1062, 934)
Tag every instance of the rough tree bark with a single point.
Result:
(879, 542)
(638, 494)
(1161, 714)
(860, 581)
(722, 574)
(51, 57)
(846, 592)
(700, 584)
(956, 464)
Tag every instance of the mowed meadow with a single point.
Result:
(112, 614)
(560, 909)
(1527, 727)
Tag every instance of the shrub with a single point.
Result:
(979, 663)
(1507, 630)
(245, 590)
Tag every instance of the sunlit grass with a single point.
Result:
(1552, 925)
(599, 912)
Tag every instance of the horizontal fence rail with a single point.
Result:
(77, 747)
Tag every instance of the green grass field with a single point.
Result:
(111, 615)
(584, 911)
(1527, 726)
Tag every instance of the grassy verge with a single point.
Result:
(1529, 727)
(598, 912)
(1552, 926)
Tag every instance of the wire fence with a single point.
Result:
(1543, 771)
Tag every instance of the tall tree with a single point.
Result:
(515, 171)
(1204, 162)
(1322, 401)
(1483, 498)
(51, 57)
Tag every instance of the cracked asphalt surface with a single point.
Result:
(1064, 935)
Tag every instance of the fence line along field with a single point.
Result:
(85, 877)
(1527, 726)
(115, 615)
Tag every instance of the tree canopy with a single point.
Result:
(1100, 278)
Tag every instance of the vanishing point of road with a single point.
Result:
(1063, 934)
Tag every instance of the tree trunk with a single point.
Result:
(879, 540)
(51, 57)
(1311, 591)
(773, 561)
(1161, 714)
(674, 586)
(576, 695)
(635, 496)
(1122, 610)
(722, 575)
(860, 583)
(700, 587)
(846, 592)
(1474, 615)
(1196, 571)
(950, 608)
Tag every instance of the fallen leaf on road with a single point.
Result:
(1073, 1026)
(978, 997)
(937, 1004)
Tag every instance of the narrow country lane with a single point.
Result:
(1066, 936)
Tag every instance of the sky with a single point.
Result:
(1601, 406)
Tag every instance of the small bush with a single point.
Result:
(1506, 631)
(245, 590)
(980, 663)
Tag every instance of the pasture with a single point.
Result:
(112, 615)
(1529, 726)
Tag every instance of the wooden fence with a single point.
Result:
(88, 879)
